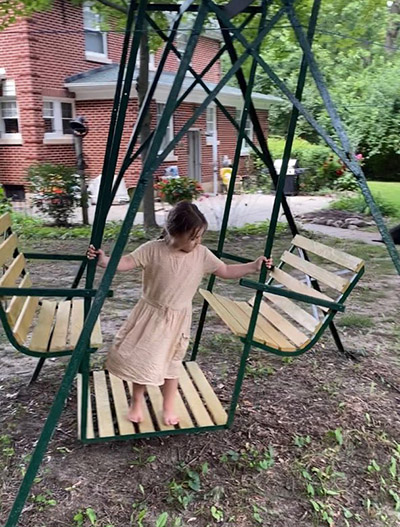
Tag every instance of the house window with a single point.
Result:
(169, 134)
(95, 38)
(56, 116)
(211, 124)
(248, 130)
(9, 118)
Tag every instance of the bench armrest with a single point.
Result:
(292, 294)
(43, 256)
(34, 291)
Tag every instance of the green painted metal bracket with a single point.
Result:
(260, 286)
(46, 256)
(46, 292)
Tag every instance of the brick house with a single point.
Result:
(59, 64)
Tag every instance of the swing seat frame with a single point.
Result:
(35, 324)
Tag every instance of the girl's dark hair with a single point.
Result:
(184, 218)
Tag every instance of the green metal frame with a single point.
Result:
(137, 16)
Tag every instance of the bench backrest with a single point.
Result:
(19, 310)
(335, 284)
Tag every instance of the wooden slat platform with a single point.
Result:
(197, 405)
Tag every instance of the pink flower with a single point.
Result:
(359, 157)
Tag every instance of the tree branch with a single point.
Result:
(112, 5)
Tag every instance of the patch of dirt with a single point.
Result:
(312, 444)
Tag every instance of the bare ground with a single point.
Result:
(316, 440)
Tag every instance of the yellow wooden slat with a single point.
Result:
(25, 319)
(121, 406)
(16, 303)
(96, 340)
(5, 222)
(299, 287)
(326, 277)
(213, 404)
(230, 321)
(103, 408)
(76, 324)
(7, 249)
(241, 317)
(147, 424)
(156, 399)
(89, 422)
(284, 326)
(272, 337)
(10, 276)
(194, 401)
(60, 333)
(42, 331)
(334, 255)
(294, 311)
(76, 321)
(185, 420)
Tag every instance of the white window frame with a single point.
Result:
(93, 56)
(170, 132)
(211, 124)
(7, 138)
(58, 137)
(245, 147)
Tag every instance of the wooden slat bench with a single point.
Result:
(36, 326)
(108, 401)
(285, 325)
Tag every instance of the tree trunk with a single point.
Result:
(149, 218)
(393, 27)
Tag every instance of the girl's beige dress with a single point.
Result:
(151, 344)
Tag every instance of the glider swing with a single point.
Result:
(275, 319)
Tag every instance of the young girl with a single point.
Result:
(151, 344)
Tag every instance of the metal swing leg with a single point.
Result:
(37, 370)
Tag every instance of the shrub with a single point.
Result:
(317, 159)
(178, 189)
(55, 190)
(346, 182)
(356, 203)
(5, 203)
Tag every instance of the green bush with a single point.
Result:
(55, 190)
(317, 159)
(179, 189)
(356, 203)
(346, 182)
(5, 203)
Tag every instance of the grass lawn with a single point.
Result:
(388, 190)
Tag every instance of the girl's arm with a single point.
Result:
(126, 263)
(239, 270)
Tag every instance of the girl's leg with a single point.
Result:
(169, 390)
(135, 413)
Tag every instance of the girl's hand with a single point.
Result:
(263, 260)
(93, 253)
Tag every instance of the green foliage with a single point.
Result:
(178, 189)
(346, 182)
(55, 190)
(356, 203)
(317, 159)
(5, 203)
(250, 457)
(29, 227)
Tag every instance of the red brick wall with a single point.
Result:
(205, 50)
(39, 61)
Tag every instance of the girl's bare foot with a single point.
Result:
(170, 418)
(135, 413)
(169, 390)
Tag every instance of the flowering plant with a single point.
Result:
(178, 189)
